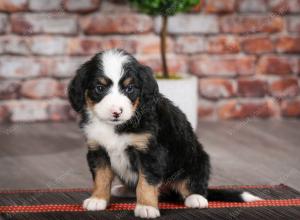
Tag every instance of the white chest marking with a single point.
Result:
(115, 145)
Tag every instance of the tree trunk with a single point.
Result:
(163, 46)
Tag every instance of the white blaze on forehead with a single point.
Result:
(113, 61)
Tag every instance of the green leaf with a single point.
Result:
(164, 7)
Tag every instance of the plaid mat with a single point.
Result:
(281, 202)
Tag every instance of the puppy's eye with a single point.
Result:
(99, 89)
(129, 89)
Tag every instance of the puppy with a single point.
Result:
(136, 134)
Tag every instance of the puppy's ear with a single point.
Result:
(77, 87)
(149, 84)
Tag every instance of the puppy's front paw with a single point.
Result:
(145, 211)
(196, 201)
(93, 204)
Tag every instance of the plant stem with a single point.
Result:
(163, 45)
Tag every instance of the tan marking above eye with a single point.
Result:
(103, 81)
(127, 81)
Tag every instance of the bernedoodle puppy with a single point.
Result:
(136, 134)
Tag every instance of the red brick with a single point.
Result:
(120, 23)
(293, 24)
(63, 88)
(150, 44)
(3, 23)
(216, 88)
(40, 88)
(257, 45)
(13, 6)
(190, 44)
(85, 46)
(4, 113)
(92, 45)
(46, 5)
(48, 45)
(248, 24)
(9, 89)
(59, 110)
(176, 64)
(287, 87)
(81, 6)
(252, 5)
(28, 110)
(122, 42)
(282, 7)
(15, 45)
(288, 44)
(247, 109)
(190, 23)
(222, 66)
(21, 67)
(43, 23)
(206, 109)
(252, 88)
(290, 108)
(276, 65)
(223, 44)
(116, 6)
(220, 6)
(66, 67)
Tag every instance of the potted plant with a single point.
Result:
(181, 90)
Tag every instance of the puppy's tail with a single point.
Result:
(231, 196)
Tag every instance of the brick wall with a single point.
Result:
(245, 53)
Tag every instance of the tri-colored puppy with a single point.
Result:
(135, 133)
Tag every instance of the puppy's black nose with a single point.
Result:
(116, 114)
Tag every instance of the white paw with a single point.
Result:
(94, 204)
(122, 191)
(145, 211)
(196, 201)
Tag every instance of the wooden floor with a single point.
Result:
(52, 155)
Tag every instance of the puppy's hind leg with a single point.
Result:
(196, 201)
(192, 198)
(197, 182)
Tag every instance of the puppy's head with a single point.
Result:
(112, 86)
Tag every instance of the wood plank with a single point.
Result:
(52, 155)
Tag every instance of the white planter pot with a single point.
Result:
(183, 93)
